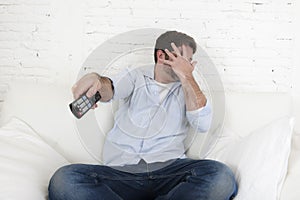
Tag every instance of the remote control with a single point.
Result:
(83, 104)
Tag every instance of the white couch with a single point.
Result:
(38, 134)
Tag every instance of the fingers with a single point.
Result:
(172, 56)
(94, 106)
(177, 51)
(194, 63)
(167, 62)
(77, 91)
(74, 89)
(95, 87)
(89, 83)
(184, 52)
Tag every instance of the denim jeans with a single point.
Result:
(180, 180)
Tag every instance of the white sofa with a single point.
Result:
(38, 134)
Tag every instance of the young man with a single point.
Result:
(144, 155)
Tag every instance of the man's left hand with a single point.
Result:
(180, 63)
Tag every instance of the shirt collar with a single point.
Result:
(148, 70)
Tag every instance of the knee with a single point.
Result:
(221, 180)
(61, 175)
(60, 182)
(224, 175)
(224, 181)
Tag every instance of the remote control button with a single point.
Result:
(84, 109)
(79, 101)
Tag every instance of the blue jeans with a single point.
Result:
(182, 179)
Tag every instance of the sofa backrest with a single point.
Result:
(45, 108)
(246, 112)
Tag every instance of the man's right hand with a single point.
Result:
(91, 83)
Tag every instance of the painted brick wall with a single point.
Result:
(296, 57)
(250, 41)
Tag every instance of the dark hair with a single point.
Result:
(164, 42)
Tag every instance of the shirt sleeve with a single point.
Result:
(123, 83)
(201, 118)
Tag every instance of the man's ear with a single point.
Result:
(160, 56)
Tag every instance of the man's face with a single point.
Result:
(168, 69)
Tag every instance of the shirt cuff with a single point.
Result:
(205, 109)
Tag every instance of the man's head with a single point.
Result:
(164, 73)
(164, 42)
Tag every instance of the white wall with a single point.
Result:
(296, 52)
(250, 42)
(296, 67)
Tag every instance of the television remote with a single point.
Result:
(83, 104)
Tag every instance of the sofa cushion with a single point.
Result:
(26, 162)
(45, 108)
(259, 160)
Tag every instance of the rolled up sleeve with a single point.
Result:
(201, 118)
(123, 83)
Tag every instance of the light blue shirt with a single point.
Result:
(146, 126)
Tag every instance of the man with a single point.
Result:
(144, 154)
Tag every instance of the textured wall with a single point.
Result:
(250, 42)
(296, 52)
